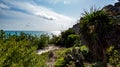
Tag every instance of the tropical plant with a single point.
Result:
(75, 55)
(72, 57)
(94, 26)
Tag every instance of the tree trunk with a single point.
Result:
(104, 58)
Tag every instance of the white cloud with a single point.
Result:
(36, 10)
(60, 1)
(3, 6)
(40, 18)
(33, 9)
(116, 0)
(23, 21)
(67, 2)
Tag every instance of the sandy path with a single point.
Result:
(51, 61)
(46, 49)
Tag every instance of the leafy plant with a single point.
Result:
(113, 56)
(72, 57)
(95, 26)
(20, 50)
(60, 62)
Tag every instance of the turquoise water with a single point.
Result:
(38, 33)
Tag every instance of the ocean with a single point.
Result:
(37, 33)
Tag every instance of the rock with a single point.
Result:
(117, 4)
(113, 12)
(76, 28)
(50, 54)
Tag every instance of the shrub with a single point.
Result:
(71, 40)
(113, 56)
(53, 39)
(67, 38)
(59, 41)
(72, 57)
(95, 27)
(60, 63)
(97, 64)
(42, 41)
(20, 50)
(14, 54)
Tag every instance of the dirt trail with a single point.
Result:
(51, 61)
(47, 49)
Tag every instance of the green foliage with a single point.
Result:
(77, 43)
(113, 56)
(97, 64)
(16, 54)
(61, 53)
(54, 39)
(88, 57)
(72, 57)
(67, 38)
(2, 34)
(59, 41)
(71, 39)
(43, 41)
(43, 58)
(84, 48)
(63, 39)
(66, 33)
(20, 50)
(75, 55)
(95, 26)
(60, 62)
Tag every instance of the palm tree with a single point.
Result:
(94, 26)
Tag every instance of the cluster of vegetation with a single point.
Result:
(97, 44)
(99, 34)
(113, 56)
(20, 50)
(73, 57)
(67, 38)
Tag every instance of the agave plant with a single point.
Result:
(75, 55)
(94, 26)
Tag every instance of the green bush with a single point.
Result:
(43, 58)
(67, 38)
(17, 54)
(71, 40)
(59, 41)
(43, 41)
(86, 53)
(94, 28)
(97, 64)
(72, 57)
(53, 39)
(60, 63)
(20, 50)
(113, 56)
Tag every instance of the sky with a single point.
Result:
(44, 15)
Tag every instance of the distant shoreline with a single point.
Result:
(38, 33)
